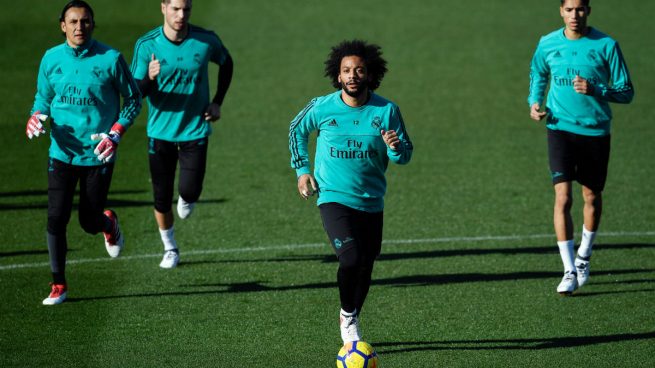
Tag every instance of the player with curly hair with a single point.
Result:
(359, 132)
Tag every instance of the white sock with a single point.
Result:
(346, 314)
(168, 238)
(567, 254)
(586, 243)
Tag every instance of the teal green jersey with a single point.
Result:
(80, 89)
(596, 58)
(178, 101)
(351, 157)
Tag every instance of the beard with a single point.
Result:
(361, 89)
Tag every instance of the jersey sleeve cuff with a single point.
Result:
(302, 171)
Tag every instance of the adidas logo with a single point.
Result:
(163, 62)
(557, 54)
(333, 123)
(58, 71)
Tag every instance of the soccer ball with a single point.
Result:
(357, 354)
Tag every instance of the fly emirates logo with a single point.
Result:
(353, 152)
(74, 97)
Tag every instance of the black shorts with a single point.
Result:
(163, 157)
(94, 186)
(578, 157)
(347, 227)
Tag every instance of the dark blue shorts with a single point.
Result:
(578, 157)
(163, 158)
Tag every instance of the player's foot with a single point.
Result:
(184, 208)
(349, 324)
(582, 267)
(57, 294)
(114, 239)
(170, 260)
(569, 283)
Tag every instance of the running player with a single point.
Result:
(586, 72)
(171, 66)
(359, 133)
(79, 86)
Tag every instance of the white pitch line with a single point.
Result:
(315, 245)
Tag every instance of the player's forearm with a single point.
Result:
(537, 89)
(146, 86)
(130, 110)
(43, 98)
(618, 94)
(224, 79)
(403, 154)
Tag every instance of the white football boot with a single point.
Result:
(184, 208)
(349, 324)
(569, 283)
(57, 295)
(114, 240)
(171, 259)
(582, 267)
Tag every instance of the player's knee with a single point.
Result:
(57, 224)
(91, 224)
(350, 259)
(591, 197)
(163, 205)
(563, 201)
(190, 193)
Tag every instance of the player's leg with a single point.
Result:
(561, 158)
(162, 159)
(338, 223)
(94, 188)
(193, 163)
(369, 229)
(62, 180)
(592, 177)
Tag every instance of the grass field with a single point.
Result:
(469, 267)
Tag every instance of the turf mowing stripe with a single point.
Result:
(316, 245)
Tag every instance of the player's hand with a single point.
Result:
(307, 186)
(390, 138)
(582, 86)
(35, 125)
(153, 68)
(108, 142)
(535, 114)
(213, 112)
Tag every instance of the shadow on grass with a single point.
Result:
(388, 348)
(635, 281)
(597, 293)
(33, 193)
(113, 203)
(23, 253)
(406, 281)
(439, 253)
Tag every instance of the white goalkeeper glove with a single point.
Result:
(35, 125)
(108, 142)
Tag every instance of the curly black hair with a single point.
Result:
(371, 53)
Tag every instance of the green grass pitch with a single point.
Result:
(469, 267)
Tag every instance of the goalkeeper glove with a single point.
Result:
(108, 142)
(35, 125)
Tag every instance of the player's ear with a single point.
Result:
(163, 7)
(63, 26)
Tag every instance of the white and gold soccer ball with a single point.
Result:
(357, 354)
